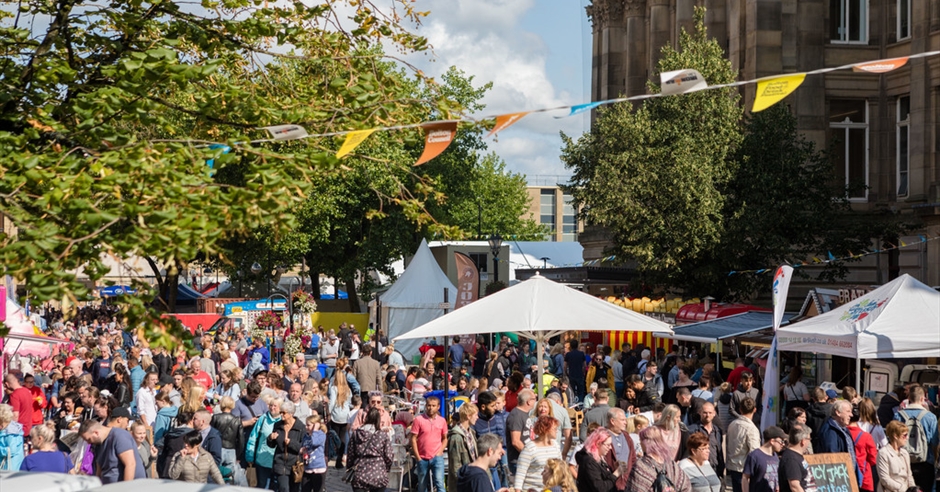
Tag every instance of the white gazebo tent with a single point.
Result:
(538, 309)
(900, 319)
(415, 298)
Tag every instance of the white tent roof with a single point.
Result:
(533, 306)
(897, 320)
(421, 285)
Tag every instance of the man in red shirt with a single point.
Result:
(21, 400)
(735, 377)
(38, 398)
(201, 377)
(428, 442)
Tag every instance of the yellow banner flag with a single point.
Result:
(353, 139)
(771, 91)
(504, 121)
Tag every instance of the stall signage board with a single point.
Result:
(833, 472)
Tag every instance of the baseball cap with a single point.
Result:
(774, 432)
(120, 412)
(831, 393)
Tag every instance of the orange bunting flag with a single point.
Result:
(353, 139)
(771, 91)
(504, 121)
(880, 66)
(437, 136)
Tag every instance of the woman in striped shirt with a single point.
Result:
(536, 453)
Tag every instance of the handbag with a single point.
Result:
(297, 469)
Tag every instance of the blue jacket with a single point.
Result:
(314, 445)
(163, 422)
(496, 425)
(833, 438)
(213, 444)
(137, 377)
(265, 356)
(257, 450)
(929, 421)
(11, 447)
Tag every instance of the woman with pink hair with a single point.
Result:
(657, 457)
(594, 474)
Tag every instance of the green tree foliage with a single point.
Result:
(692, 191)
(654, 174)
(101, 114)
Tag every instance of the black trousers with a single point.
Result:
(313, 482)
(924, 475)
(341, 430)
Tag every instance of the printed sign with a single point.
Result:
(681, 81)
(881, 66)
(436, 139)
(286, 132)
(468, 280)
(833, 472)
(771, 91)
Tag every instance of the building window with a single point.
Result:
(569, 220)
(848, 123)
(848, 21)
(547, 211)
(479, 259)
(904, 144)
(904, 19)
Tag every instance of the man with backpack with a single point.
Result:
(922, 440)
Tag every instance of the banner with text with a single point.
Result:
(437, 136)
(771, 401)
(468, 280)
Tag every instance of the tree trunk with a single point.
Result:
(161, 282)
(353, 296)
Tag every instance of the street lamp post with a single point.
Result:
(495, 241)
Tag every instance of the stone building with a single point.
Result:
(886, 126)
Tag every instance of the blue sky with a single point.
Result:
(537, 54)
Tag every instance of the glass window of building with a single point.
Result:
(848, 21)
(904, 144)
(848, 124)
(547, 211)
(904, 19)
(569, 219)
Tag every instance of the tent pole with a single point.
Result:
(858, 375)
(539, 347)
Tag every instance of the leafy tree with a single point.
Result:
(654, 175)
(102, 114)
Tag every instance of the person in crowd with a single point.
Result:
(535, 453)
(708, 427)
(563, 435)
(690, 406)
(652, 379)
(683, 380)
(46, 457)
(795, 393)
(674, 432)
(20, 400)
(211, 438)
(793, 471)
(492, 420)
(697, 466)
(233, 439)
(314, 447)
(865, 451)
(462, 443)
(646, 395)
(194, 464)
(258, 451)
(119, 384)
(166, 415)
(145, 449)
(250, 407)
(286, 439)
(723, 405)
(658, 456)
(575, 368)
(868, 421)
(742, 439)
(172, 441)
(818, 411)
(428, 442)
(556, 477)
(116, 457)
(891, 402)
(894, 461)
(375, 401)
(594, 474)
(761, 465)
(228, 386)
(517, 426)
(69, 415)
(597, 413)
(370, 452)
(340, 406)
(920, 421)
(704, 390)
(38, 400)
(367, 372)
(145, 400)
(834, 435)
(475, 476)
(295, 396)
(120, 418)
(744, 390)
(601, 372)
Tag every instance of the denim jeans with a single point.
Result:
(436, 466)
(266, 478)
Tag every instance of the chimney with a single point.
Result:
(708, 303)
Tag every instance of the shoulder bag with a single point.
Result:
(251, 474)
(297, 469)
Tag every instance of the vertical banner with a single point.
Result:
(437, 136)
(772, 375)
(3, 304)
(468, 280)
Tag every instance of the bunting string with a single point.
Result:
(440, 133)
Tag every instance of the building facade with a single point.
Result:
(551, 207)
(884, 128)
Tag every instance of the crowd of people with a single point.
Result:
(605, 420)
